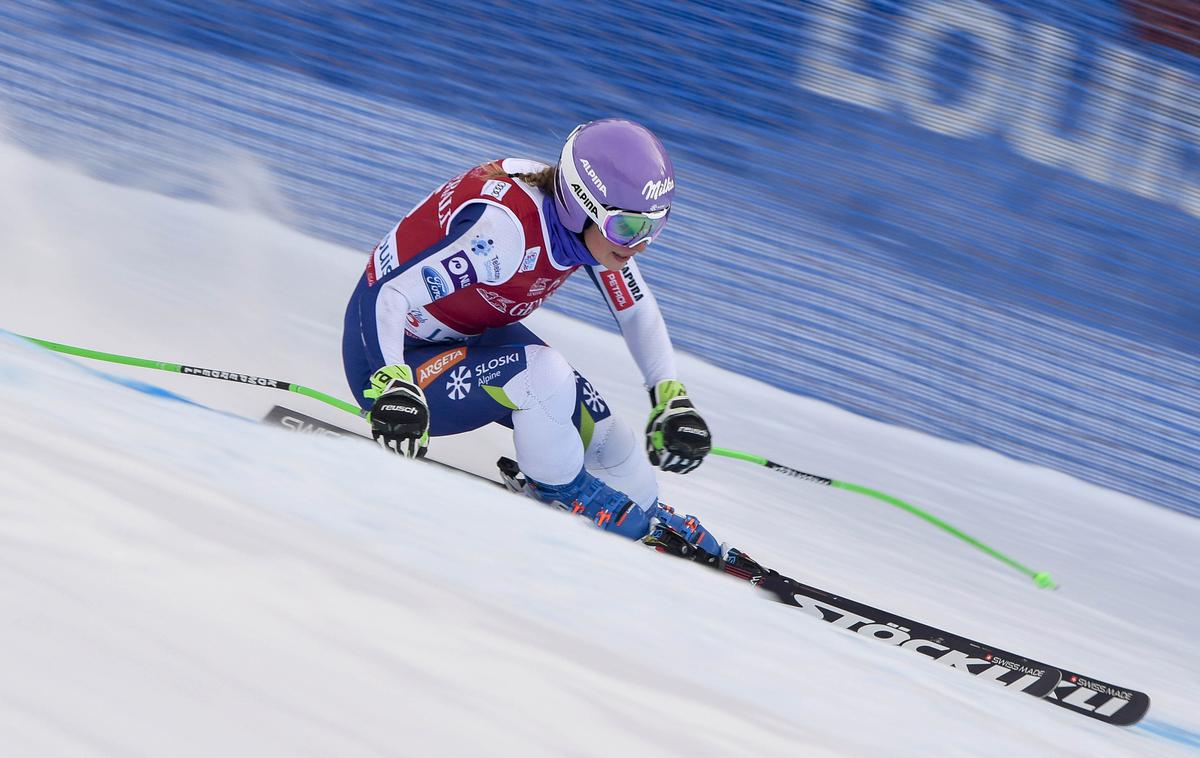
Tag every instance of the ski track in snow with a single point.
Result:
(181, 581)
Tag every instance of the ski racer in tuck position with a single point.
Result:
(433, 343)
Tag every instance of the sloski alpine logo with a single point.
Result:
(489, 371)
(458, 386)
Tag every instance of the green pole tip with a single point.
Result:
(1043, 580)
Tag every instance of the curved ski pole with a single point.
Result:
(1041, 578)
(229, 376)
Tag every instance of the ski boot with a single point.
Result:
(585, 495)
(611, 510)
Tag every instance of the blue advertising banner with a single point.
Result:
(976, 218)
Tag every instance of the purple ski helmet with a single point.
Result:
(618, 175)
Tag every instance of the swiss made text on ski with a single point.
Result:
(1082, 694)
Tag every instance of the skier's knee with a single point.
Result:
(547, 381)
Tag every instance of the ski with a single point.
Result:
(1085, 695)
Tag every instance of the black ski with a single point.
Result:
(983, 661)
(1099, 700)
(1085, 695)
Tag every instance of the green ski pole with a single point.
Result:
(1041, 578)
(229, 376)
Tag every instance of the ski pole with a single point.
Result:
(229, 376)
(1041, 578)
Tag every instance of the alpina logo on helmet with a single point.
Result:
(655, 190)
(587, 201)
(595, 179)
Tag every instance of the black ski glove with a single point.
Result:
(677, 439)
(400, 416)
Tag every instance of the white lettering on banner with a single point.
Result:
(913, 58)
(830, 43)
(1189, 191)
(1132, 132)
(1032, 134)
(1145, 169)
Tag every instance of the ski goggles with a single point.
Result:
(629, 229)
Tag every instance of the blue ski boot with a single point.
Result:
(613, 511)
(609, 509)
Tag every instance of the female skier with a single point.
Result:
(433, 344)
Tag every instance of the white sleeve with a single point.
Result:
(452, 266)
(641, 323)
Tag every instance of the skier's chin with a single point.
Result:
(614, 261)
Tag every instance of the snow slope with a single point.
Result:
(178, 581)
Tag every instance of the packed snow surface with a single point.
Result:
(178, 580)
